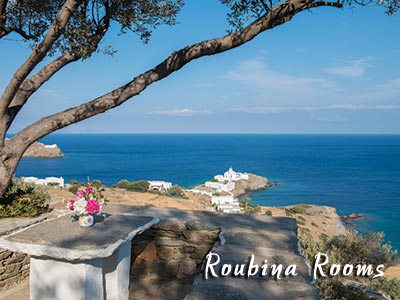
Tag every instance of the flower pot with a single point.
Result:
(86, 220)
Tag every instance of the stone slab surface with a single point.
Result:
(63, 238)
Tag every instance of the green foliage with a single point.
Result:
(76, 182)
(216, 194)
(249, 208)
(23, 200)
(157, 192)
(242, 12)
(332, 289)
(33, 18)
(351, 248)
(390, 287)
(75, 185)
(176, 191)
(299, 209)
(141, 186)
(213, 180)
(96, 184)
(268, 213)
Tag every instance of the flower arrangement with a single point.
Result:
(87, 202)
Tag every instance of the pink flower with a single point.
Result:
(71, 204)
(80, 194)
(92, 207)
(89, 190)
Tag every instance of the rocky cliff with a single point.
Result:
(43, 151)
(254, 183)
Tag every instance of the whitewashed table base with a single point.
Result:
(95, 279)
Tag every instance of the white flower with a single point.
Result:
(80, 206)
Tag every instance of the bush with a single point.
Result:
(75, 185)
(96, 184)
(213, 180)
(391, 287)
(249, 208)
(299, 209)
(176, 191)
(76, 182)
(136, 186)
(268, 213)
(23, 199)
(351, 248)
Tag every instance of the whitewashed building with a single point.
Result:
(220, 186)
(231, 175)
(227, 203)
(161, 186)
(46, 181)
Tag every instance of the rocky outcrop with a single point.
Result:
(253, 184)
(43, 151)
(352, 216)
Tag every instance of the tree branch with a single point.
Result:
(31, 85)
(279, 15)
(38, 53)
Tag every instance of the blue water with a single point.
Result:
(354, 173)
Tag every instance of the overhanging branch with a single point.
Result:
(279, 15)
(38, 53)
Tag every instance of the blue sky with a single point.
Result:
(326, 71)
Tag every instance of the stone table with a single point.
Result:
(71, 262)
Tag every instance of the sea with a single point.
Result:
(354, 173)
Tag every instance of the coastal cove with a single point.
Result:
(354, 173)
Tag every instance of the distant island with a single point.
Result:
(41, 150)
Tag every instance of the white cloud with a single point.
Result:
(180, 112)
(256, 74)
(354, 68)
(287, 109)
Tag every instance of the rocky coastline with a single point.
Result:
(40, 150)
(253, 184)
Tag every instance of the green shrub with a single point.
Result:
(23, 199)
(157, 192)
(249, 208)
(268, 213)
(213, 180)
(216, 194)
(175, 191)
(351, 248)
(390, 287)
(96, 184)
(75, 185)
(136, 186)
(299, 209)
(76, 182)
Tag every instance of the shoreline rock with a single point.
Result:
(353, 216)
(40, 150)
(253, 184)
